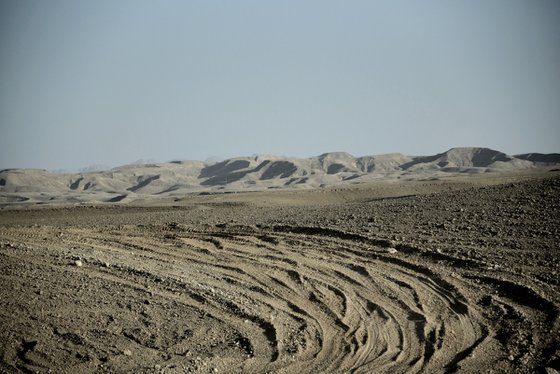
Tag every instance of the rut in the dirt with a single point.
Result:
(264, 300)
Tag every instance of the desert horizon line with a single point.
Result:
(101, 166)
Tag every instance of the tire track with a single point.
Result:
(282, 299)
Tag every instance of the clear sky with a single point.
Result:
(109, 82)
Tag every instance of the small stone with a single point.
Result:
(127, 352)
(511, 358)
(392, 250)
(78, 263)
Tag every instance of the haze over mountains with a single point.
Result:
(178, 178)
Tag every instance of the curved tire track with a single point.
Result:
(280, 299)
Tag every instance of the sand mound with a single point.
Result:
(466, 158)
(383, 163)
(223, 168)
(540, 158)
(279, 169)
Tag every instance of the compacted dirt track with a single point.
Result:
(360, 284)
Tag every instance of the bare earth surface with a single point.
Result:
(456, 275)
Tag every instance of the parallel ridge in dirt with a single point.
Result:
(276, 299)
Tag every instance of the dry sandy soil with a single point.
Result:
(457, 275)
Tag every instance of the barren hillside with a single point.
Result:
(130, 183)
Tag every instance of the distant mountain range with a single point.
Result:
(177, 178)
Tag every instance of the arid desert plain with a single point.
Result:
(457, 272)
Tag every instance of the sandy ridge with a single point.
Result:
(175, 180)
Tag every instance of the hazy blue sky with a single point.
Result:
(109, 82)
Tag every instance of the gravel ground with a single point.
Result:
(437, 276)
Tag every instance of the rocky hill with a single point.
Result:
(178, 178)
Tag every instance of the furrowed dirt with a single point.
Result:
(438, 278)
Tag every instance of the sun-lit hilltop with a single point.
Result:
(177, 178)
